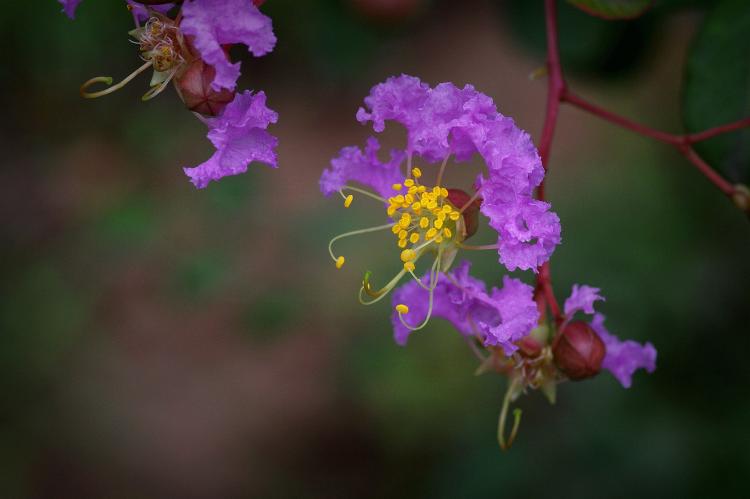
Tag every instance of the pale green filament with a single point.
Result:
(362, 191)
(434, 272)
(354, 233)
(107, 80)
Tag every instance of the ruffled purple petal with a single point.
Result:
(141, 12)
(582, 299)
(352, 164)
(448, 120)
(623, 358)
(240, 137)
(214, 23)
(502, 317)
(69, 7)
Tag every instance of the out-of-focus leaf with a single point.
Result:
(613, 9)
(587, 44)
(717, 87)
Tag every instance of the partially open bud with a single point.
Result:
(578, 351)
(459, 198)
(194, 87)
(529, 347)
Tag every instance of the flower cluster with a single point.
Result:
(189, 50)
(506, 327)
(444, 123)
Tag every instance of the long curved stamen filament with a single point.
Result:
(433, 284)
(354, 233)
(381, 293)
(470, 201)
(154, 91)
(107, 80)
(477, 248)
(366, 193)
(442, 171)
(505, 444)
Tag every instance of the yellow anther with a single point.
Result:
(413, 190)
(454, 215)
(402, 234)
(409, 266)
(416, 206)
(408, 255)
(436, 191)
(432, 205)
(439, 239)
(424, 222)
(408, 182)
(340, 262)
(396, 228)
(441, 216)
(447, 208)
(421, 189)
(398, 199)
(416, 172)
(405, 220)
(438, 224)
(397, 187)
(430, 233)
(391, 210)
(402, 309)
(402, 243)
(408, 199)
(447, 232)
(348, 201)
(444, 192)
(414, 238)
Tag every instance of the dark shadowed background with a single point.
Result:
(163, 342)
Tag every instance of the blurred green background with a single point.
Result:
(158, 341)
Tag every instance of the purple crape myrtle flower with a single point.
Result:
(214, 23)
(69, 7)
(240, 137)
(622, 358)
(447, 121)
(430, 220)
(498, 318)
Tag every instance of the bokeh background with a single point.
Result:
(163, 342)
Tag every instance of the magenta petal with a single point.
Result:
(69, 7)
(582, 299)
(215, 23)
(364, 167)
(240, 137)
(623, 358)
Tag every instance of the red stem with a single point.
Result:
(555, 92)
(683, 143)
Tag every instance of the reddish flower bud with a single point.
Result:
(529, 347)
(194, 87)
(459, 198)
(578, 351)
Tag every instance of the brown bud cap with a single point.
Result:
(459, 198)
(578, 351)
(194, 86)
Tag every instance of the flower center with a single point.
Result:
(425, 219)
(159, 43)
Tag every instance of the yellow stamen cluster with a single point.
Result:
(421, 215)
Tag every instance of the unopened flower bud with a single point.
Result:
(741, 198)
(529, 347)
(578, 351)
(194, 86)
(459, 198)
